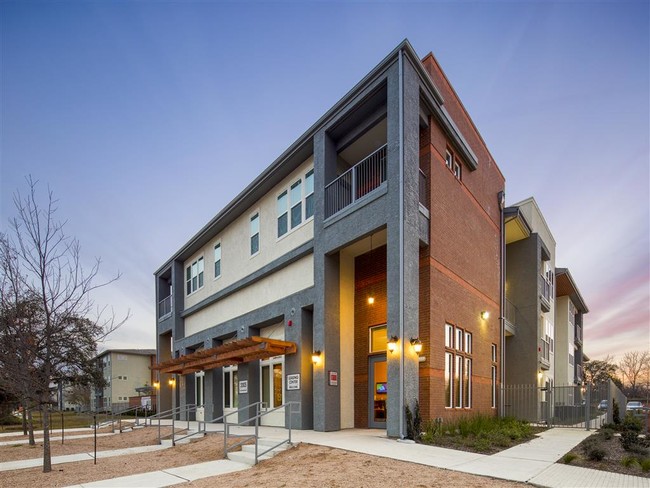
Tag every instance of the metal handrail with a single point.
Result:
(172, 412)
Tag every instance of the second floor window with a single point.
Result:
(217, 260)
(194, 276)
(283, 214)
(255, 234)
(296, 203)
(309, 194)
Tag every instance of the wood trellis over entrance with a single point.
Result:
(236, 352)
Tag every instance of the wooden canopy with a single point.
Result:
(235, 352)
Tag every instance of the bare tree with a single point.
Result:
(57, 334)
(633, 366)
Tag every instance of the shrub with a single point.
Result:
(596, 453)
(629, 461)
(630, 422)
(569, 457)
(645, 465)
(606, 433)
(616, 413)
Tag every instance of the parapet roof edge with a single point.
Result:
(532, 201)
(306, 138)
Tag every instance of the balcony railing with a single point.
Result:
(578, 334)
(579, 374)
(545, 357)
(424, 190)
(165, 307)
(361, 179)
(545, 293)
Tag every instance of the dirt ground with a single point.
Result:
(304, 466)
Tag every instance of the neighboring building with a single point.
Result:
(124, 370)
(380, 225)
(530, 297)
(570, 308)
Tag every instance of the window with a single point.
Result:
(309, 194)
(194, 276)
(458, 367)
(378, 338)
(296, 203)
(255, 234)
(217, 260)
(449, 160)
(494, 376)
(283, 214)
(457, 170)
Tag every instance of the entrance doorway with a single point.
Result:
(377, 391)
(272, 390)
(199, 384)
(230, 392)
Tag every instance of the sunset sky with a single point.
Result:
(146, 118)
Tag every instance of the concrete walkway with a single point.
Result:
(54, 439)
(533, 462)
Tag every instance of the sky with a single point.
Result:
(147, 117)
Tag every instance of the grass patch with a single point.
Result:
(478, 433)
(568, 457)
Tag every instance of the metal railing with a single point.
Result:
(546, 351)
(165, 306)
(511, 313)
(424, 190)
(578, 334)
(361, 179)
(545, 289)
(172, 413)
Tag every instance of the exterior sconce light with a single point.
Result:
(485, 315)
(371, 300)
(540, 375)
(156, 385)
(172, 382)
(315, 357)
(417, 345)
(392, 343)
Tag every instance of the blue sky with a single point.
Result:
(147, 117)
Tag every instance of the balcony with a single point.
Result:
(579, 374)
(360, 180)
(164, 307)
(511, 318)
(578, 334)
(545, 293)
(545, 355)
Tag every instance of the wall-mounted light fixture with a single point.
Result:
(315, 357)
(172, 382)
(392, 343)
(156, 385)
(485, 315)
(371, 300)
(540, 375)
(417, 345)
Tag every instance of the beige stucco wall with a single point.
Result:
(288, 280)
(236, 261)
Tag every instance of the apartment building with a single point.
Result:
(124, 371)
(530, 296)
(570, 308)
(358, 273)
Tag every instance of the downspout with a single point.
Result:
(401, 241)
(502, 299)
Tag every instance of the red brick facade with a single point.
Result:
(460, 270)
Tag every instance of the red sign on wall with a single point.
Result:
(333, 378)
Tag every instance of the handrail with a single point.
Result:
(172, 412)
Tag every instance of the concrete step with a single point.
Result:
(246, 457)
(263, 447)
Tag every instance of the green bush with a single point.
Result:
(569, 457)
(596, 453)
(645, 464)
(630, 422)
(616, 413)
(606, 433)
(629, 461)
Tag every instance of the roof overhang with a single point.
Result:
(517, 227)
(565, 285)
(236, 352)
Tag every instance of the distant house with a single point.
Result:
(124, 371)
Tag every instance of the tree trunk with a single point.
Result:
(47, 458)
(30, 426)
(24, 412)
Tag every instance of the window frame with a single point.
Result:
(214, 250)
(254, 215)
(459, 367)
(200, 279)
(285, 213)
(302, 180)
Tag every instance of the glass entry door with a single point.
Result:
(199, 385)
(377, 391)
(272, 390)
(230, 392)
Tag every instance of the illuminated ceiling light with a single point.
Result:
(371, 300)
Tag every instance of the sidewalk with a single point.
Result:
(532, 462)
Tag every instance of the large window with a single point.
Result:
(194, 276)
(217, 260)
(458, 367)
(378, 338)
(255, 234)
(295, 205)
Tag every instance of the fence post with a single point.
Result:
(588, 407)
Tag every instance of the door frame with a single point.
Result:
(276, 418)
(199, 385)
(372, 360)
